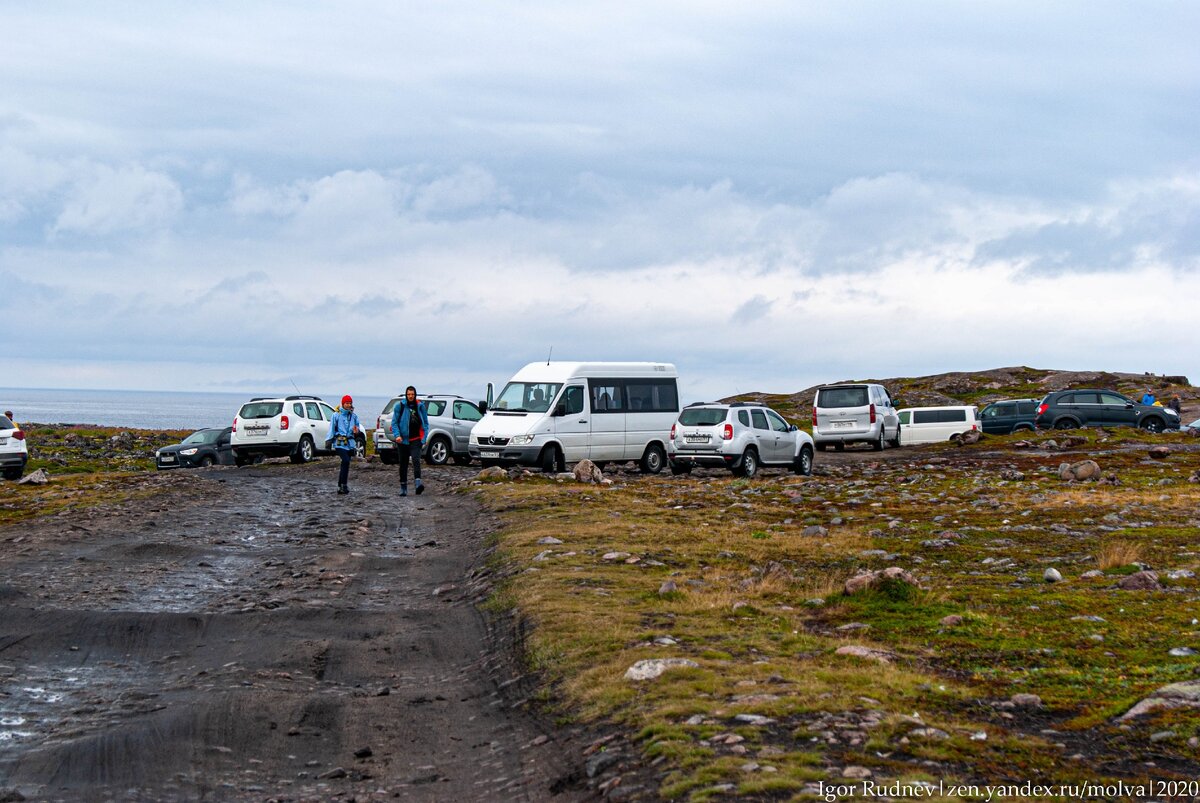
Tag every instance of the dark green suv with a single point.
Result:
(1009, 415)
(1071, 409)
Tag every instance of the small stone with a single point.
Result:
(1052, 575)
(1160, 452)
(39, 477)
(1024, 700)
(1181, 652)
(868, 653)
(668, 587)
(856, 772)
(953, 620)
(814, 531)
(599, 762)
(652, 668)
(364, 752)
(549, 540)
(935, 734)
(336, 772)
(1140, 581)
(753, 719)
(1162, 736)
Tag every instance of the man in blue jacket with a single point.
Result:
(343, 438)
(409, 425)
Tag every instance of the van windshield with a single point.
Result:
(261, 409)
(527, 397)
(842, 397)
(702, 416)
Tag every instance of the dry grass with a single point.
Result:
(1117, 553)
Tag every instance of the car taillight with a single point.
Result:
(283, 423)
(235, 424)
(814, 416)
(727, 433)
(672, 432)
(1042, 408)
(379, 423)
(872, 414)
(18, 435)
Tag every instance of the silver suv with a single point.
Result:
(451, 419)
(741, 437)
(857, 413)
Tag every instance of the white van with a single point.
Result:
(935, 424)
(554, 413)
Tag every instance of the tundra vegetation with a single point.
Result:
(979, 665)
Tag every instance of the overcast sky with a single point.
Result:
(358, 196)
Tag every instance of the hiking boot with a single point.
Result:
(403, 489)
(343, 489)
(420, 487)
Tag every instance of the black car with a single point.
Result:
(1009, 415)
(205, 447)
(1069, 409)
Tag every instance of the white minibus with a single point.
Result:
(934, 424)
(553, 413)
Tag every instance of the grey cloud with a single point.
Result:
(751, 310)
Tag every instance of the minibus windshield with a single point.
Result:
(527, 397)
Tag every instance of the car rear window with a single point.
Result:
(261, 409)
(702, 416)
(842, 397)
(5, 423)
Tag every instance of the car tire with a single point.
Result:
(840, 446)
(240, 460)
(388, 457)
(895, 442)
(748, 466)
(208, 461)
(1022, 428)
(462, 460)
(821, 447)
(13, 473)
(878, 444)
(304, 450)
(680, 468)
(552, 460)
(804, 462)
(653, 459)
(1153, 424)
(1066, 423)
(439, 452)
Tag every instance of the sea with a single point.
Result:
(145, 409)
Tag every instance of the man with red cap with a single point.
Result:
(343, 438)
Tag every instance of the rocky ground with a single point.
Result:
(247, 634)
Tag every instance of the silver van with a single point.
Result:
(854, 413)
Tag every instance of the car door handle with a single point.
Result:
(582, 421)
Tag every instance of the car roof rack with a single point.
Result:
(747, 404)
(698, 404)
(296, 398)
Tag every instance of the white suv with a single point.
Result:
(740, 437)
(451, 419)
(14, 453)
(292, 426)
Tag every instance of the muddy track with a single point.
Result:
(247, 634)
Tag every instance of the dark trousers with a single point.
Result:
(344, 471)
(405, 450)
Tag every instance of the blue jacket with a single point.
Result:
(342, 426)
(400, 419)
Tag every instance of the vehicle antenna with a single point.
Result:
(294, 385)
(549, 355)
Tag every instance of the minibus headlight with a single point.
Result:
(521, 440)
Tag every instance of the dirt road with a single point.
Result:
(248, 634)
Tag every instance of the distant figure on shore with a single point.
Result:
(1175, 404)
(1148, 398)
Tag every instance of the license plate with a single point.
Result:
(3, 441)
(843, 424)
(167, 458)
(695, 439)
(489, 454)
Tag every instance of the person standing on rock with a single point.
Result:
(1148, 397)
(343, 439)
(1176, 404)
(409, 425)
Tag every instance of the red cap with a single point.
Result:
(347, 401)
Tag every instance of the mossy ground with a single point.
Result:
(760, 608)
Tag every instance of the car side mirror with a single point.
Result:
(793, 428)
(1128, 405)
(560, 410)
(483, 407)
(895, 403)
